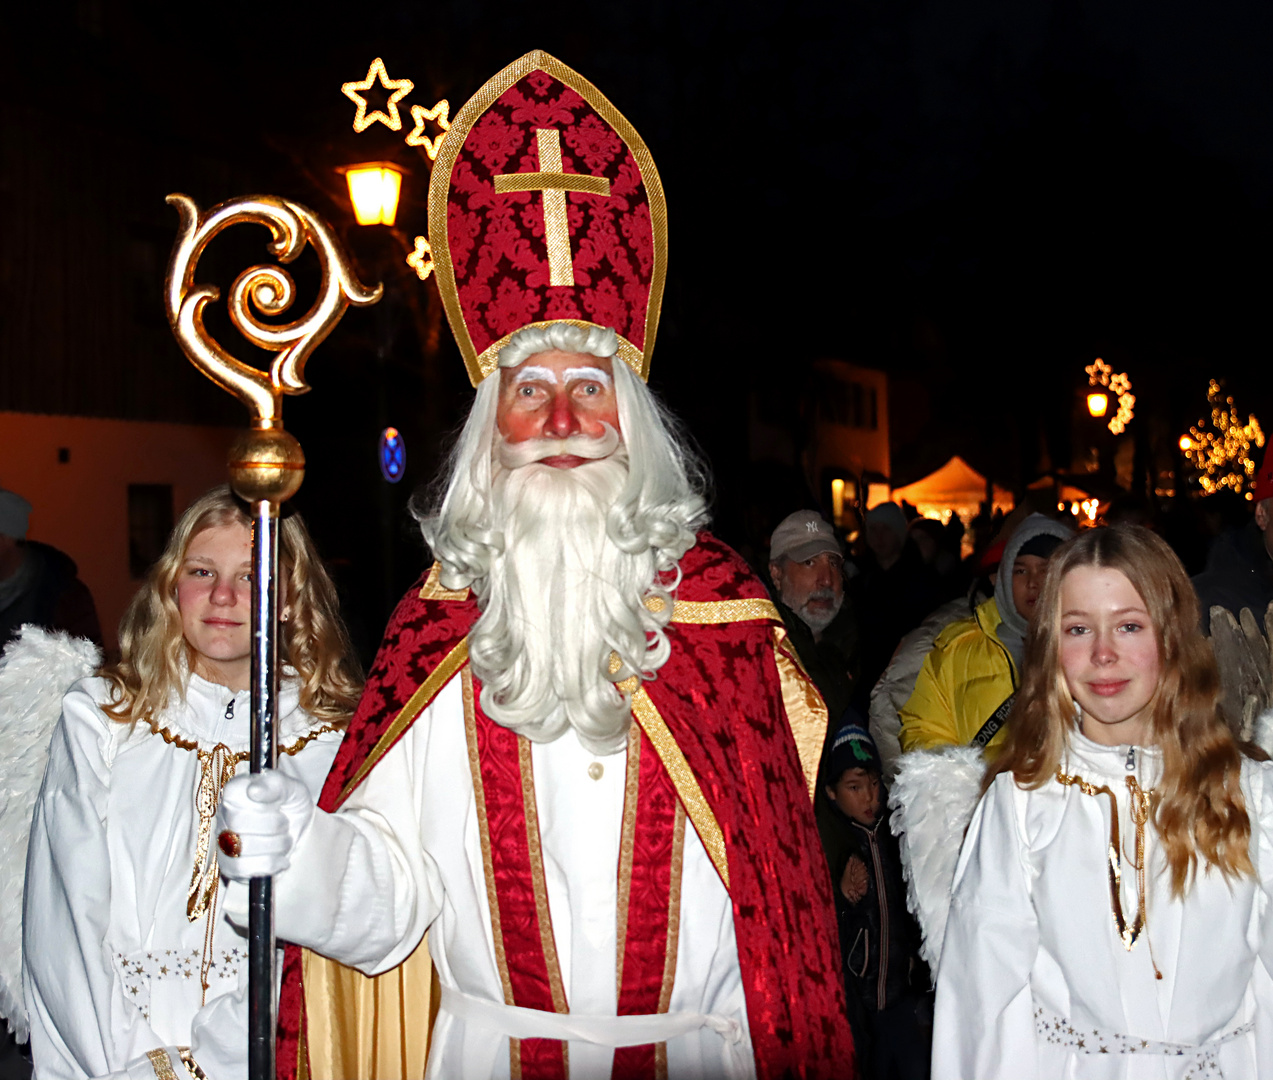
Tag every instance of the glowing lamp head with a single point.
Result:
(374, 188)
(1186, 443)
(1097, 404)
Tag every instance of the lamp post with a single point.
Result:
(374, 190)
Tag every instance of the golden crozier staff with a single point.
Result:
(266, 467)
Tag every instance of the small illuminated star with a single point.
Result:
(421, 260)
(441, 112)
(400, 87)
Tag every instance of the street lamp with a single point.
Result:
(374, 188)
(1097, 404)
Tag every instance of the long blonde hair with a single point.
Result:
(155, 655)
(1198, 807)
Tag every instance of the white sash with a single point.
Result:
(613, 1031)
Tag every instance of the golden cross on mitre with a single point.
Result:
(553, 183)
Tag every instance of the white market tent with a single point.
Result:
(955, 488)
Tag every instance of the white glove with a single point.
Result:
(268, 811)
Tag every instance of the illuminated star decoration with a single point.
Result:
(421, 260)
(1100, 373)
(441, 112)
(400, 87)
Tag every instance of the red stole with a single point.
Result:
(648, 890)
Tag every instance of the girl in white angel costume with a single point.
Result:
(1110, 914)
(129, 968)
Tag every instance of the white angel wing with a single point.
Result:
(933, 797)
(36, 669)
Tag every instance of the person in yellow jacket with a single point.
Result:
(965, 688)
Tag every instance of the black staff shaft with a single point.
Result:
(262, 1006)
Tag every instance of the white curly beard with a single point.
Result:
(558, 600)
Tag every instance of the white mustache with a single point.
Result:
(529, 451)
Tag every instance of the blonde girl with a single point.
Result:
(129, 967)
(1110, 911)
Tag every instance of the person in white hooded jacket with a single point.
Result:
(1110, 912)
(129, 966)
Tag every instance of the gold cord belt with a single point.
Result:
(1140, 811)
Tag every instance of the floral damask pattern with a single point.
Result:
(497, 244)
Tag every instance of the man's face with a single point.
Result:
(554, 395)
(1028, 573)
(813, 589)
(857, 794)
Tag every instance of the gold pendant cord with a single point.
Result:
(1140, 812)
(217, 767)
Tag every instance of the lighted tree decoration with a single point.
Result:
(1100, 373)
(1220, 449)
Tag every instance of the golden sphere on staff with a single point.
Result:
(266, 465)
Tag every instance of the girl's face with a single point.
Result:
(214, 596)
(1109, 654)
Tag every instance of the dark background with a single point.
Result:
(977, 197)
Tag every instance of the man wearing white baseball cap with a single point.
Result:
(806, 565)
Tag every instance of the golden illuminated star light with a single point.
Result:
(400, 87)
(441, 113)
(1100, 373)
(1221, 451)
(421, 260)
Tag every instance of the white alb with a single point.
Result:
(112, 965)
(1035, 982)
(404, 855)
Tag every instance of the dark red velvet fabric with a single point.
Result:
(721, 696)
(497, 241)
(649, 890)
(497, 752)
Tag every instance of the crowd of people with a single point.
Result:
(657, 816)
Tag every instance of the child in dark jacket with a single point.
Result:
(878, 938)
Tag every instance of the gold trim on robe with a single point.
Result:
(805, 709)
(438, 678)
(683, 779)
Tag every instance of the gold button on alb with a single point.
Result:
(596, 769)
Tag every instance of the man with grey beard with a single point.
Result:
(806, 565)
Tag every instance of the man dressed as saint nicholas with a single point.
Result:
(583, 759)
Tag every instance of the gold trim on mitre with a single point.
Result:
(439, 184)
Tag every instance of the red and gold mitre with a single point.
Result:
(545, 207)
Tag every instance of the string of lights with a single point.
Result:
(1220, 449)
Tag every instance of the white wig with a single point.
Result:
(564, 337)
(651, 523)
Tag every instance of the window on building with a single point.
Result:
(149, 523)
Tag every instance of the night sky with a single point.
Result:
(978, 198)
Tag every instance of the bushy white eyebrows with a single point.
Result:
(593, 373)
(535, 373)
